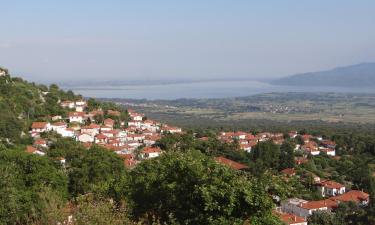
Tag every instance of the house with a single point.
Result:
(291, 219)
(240, 135)
(305, 208)
(289, 172)
(77, 117)
(67, 104)
(330, 188)
(66, 132)
(39, 127)
(55, 118)
(109, 122)
(92, 129)
(81, 103)
(293, 134)
(58, 125)
(230, 163)
(150, 152)
(101, 139)
(84, 137)
(311, 147)
(135, 123)
(79, 108)
(171, 130)
(150, 140)
(328, 151)
(136, 116)
(105, 128)
(30, 149)
(328, 144)
(41, 143)
(359, 197)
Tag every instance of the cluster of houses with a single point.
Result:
(311, 145)
(134, 140)
(121, 137)
(295, 211)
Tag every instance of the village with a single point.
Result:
(134, 140)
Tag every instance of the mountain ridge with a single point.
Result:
(358, 75)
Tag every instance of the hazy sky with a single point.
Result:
(193, 39)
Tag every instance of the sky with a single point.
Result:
(67, 41)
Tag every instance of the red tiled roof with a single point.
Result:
(353, 195)
(151, 150)
(288, 171)
(59, 124)
(71, 114)
(39, 125)
(230, 163)
(30, 149)
(101, 136)
(331, 184)
(329, 203)
(290, 219)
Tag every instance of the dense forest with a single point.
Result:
(185, 185)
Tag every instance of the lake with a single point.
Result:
(209, 89)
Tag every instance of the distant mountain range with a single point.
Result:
(360, 75)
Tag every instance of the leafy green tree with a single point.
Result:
(287, 155)
(267, 154)
(194, 189)
(97, 171)
(28, 184)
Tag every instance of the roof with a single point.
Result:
(290, 218)
(151, 150)
(91, 126)
(288, 171)
(39, 125)
(331, 184)
(59, 124)
(76, 114)
(40, 142)
(328, 203)
(109, 121)
(230, 163)
(352, 196)
(101, 136)
(30, 149)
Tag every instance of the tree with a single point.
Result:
(28, 186)
(321, 218)
(193, 189)
(287, 155)
(266, 153)
(97, 171)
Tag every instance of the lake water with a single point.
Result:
(209, 89)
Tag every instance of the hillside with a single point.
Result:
(360, 75)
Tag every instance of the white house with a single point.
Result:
(331, 188)
(32, 150)
(92, 129)
(305, 208)
(66, 132)
(67, 104)
(39, 127)
(85, 138)
(76, 117)
(58, 125)
(150, 152)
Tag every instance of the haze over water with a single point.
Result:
(209, 89)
